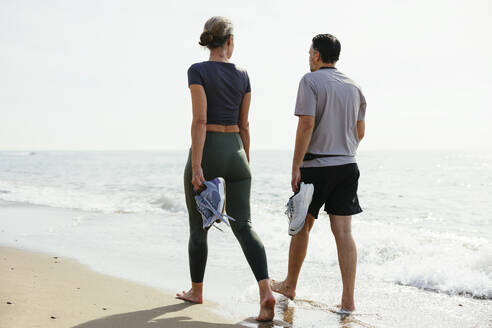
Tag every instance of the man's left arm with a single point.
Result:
(361, 129)
(361, 123)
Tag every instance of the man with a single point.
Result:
(331, 110)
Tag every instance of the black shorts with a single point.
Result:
(335, 187)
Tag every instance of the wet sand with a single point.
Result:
(122, 247)
(39, 290)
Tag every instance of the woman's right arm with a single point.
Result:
(198, 133)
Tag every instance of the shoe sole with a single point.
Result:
(295, 232)
(222, 191)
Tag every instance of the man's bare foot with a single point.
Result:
(267, 308)
(345, 309)
(281, 288)
(190, 296)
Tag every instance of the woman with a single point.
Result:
(221, 95)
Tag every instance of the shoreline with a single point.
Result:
(56, 291)
(135, 249)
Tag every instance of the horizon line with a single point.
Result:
(260, 149)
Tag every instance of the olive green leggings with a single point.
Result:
(224, 156)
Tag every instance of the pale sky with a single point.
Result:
(111, 75)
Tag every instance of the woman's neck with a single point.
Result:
(218, 55)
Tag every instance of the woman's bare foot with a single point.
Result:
(194, 295)
(282, 288)
(267, 301)
(267, 309)
(190, 296)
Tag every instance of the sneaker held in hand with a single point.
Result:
(297, 207)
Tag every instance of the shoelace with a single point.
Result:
(204, 204)
(290, 209)
(205, 212)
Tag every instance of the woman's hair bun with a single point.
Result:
(216, 32)
(206, 38)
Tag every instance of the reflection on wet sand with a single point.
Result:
(307, 313)
(305, 308)
(252, 323)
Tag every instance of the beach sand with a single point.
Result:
(154, 259)
(39, 290)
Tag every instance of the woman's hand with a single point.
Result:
(197, 178)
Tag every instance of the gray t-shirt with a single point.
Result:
(336, 103)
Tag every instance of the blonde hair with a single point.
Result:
(215, 32)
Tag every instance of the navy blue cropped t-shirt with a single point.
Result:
(225, 86)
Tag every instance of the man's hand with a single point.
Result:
(296, 179)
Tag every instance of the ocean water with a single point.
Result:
(424, 238)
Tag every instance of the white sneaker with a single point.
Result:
(297, 207)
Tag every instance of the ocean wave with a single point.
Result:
(443, 263)
(18, 153)
(465, 293)
(456, 273)
(169, 204)
(122, 202)
(442, 276)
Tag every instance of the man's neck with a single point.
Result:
(327, 66)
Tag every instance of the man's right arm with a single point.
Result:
(304, 132)
(306, 111)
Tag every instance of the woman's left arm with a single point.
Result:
(244, 122)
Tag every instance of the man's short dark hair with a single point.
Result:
(328, 47)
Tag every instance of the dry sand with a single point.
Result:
(49, 291)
